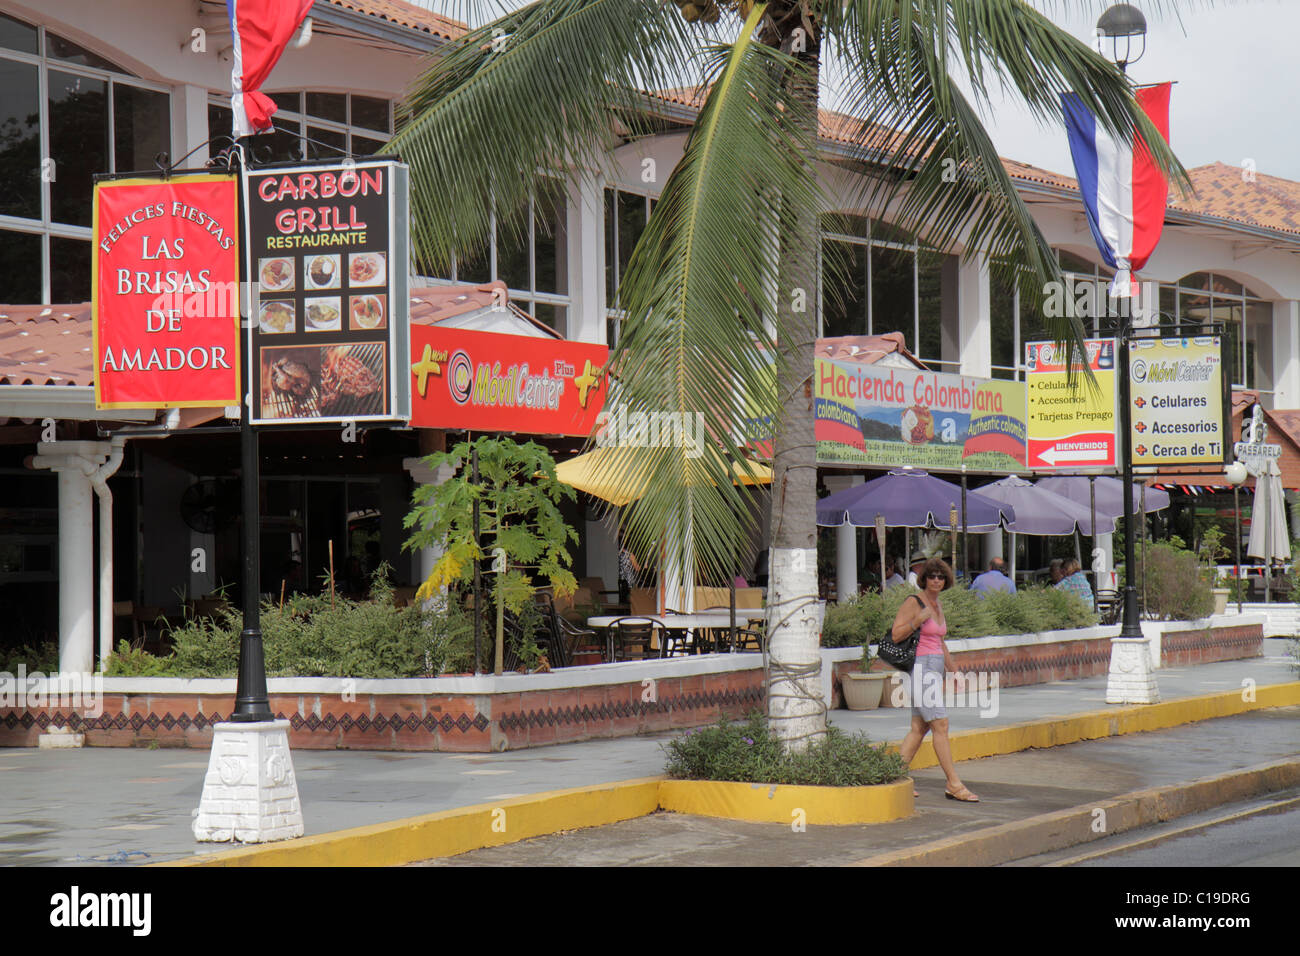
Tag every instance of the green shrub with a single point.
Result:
(318, 636)
(867, 617)
(748, 753)
(1176, 585)
(44, 658)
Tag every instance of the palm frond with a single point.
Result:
(945, 181)
(533, 90)
(698, 296)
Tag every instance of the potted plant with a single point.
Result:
(864, 689)
(1210, 552)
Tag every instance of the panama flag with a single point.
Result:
(1122, 186)
(261, 30)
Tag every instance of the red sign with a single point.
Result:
(165, 287)
(486, 381)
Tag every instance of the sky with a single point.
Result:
(1235, 63)
(1238, 83)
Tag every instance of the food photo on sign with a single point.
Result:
(332, 336)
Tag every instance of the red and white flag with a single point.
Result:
(1124, 192)
(261, 30)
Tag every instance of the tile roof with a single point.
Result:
(866, 349)
(50, 344)
(45, 345)
(1224, 192)
(406, 15)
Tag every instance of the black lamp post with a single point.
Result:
(1122, 26)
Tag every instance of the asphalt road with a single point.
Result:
(1269, 839)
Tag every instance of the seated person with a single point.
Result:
(893, 579)
(1074, 580)
(994, 579)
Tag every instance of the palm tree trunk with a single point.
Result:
(796, 711)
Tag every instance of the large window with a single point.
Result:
(66, 114)
(1086, 293)
(530, 255)
(875, 279)
(311, 126)
(626, 215)
(1207, 297)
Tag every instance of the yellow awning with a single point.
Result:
(612, 474)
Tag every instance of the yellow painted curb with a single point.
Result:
(782, 803)
(451, 831)
(461, 830)
(1111, 722)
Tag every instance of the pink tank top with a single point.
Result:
(932, 632)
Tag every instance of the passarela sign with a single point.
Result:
(165, 292)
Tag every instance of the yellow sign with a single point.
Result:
(1071, 424)
(1177, 395)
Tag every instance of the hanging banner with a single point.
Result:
(877, 415)
(1071, 423)
(487, 381)
(1177, 395)
(329, 259)
(165, 292)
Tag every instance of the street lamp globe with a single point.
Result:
(1236, 473)
(1122, 26)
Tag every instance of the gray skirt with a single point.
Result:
(927, 688)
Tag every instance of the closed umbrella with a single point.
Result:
(1268, 532)
(910, 499)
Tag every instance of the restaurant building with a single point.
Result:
(90, 88)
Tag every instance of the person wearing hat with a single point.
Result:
(914, 575)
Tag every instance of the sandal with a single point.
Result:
(964, 795)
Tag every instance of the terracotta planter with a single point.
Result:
(863, 691)
(895, 690)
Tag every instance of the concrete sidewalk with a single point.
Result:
(114, 807)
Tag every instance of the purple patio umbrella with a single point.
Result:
(1043, 512)
(1110, 494)
(910, 499)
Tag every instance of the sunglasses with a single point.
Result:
(936, 575)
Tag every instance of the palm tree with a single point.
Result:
(725, 274)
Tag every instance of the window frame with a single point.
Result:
(45, 227)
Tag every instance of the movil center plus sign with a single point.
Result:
(1177, 395)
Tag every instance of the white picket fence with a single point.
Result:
(1283, 620)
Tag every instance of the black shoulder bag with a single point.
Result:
(900, 654)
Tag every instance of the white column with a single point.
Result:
(846, 545)
(968, 293)
(586, 210)
(190, 125)
(1286, 354)
(992, 549)
(424, 475)
(73, 462)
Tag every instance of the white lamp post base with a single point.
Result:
(250, 794)
(1131, 679)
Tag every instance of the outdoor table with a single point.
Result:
(678, 622)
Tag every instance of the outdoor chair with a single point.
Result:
(1109, 605)
(749, 639)
(629, 634)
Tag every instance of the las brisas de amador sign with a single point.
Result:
(165, 292)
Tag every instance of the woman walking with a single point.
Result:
(932, 661)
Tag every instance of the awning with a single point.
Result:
(612, 474)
